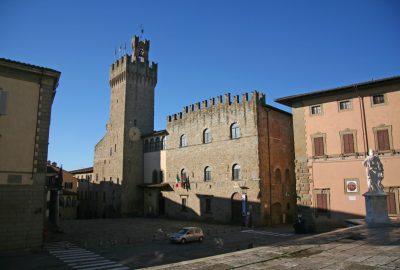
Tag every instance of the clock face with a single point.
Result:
(134, 134)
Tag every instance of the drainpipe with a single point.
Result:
(269, 171)
(36, 126)
(363, 123)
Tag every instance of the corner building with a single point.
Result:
(237, 156)
(333, 130)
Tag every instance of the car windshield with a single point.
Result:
(183, 231)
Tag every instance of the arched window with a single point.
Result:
(157, 144)
(162, 143)
(155, 177)
(183, 175)
(278, 176)
(236, 172)
(161, 176)
(183, 141)
(235, 131)
(206, 136)
(151, 145)
(207, 174)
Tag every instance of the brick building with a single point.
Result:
(333, 130)
(26, 97)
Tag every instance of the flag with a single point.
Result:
(177, 180)
(187, 184)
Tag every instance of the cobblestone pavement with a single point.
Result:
(358, 247)
(95, 233)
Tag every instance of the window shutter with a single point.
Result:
(391, 203)
(319, 146)
(3, 102)
(348, 143)
(383, 140)
(322, 203)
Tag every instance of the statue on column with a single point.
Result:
(374, 170)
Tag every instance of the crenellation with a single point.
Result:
(227, 98)
(205, 105)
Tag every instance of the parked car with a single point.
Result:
(187, 234)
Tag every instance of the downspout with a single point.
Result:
(37, 120)
(363, 124)
(269, 170)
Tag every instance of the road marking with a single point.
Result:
(268, 233)
(81, 259)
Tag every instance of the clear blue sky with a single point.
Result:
(203, 48)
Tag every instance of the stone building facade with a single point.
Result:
(236, 153)
(232, 153)
(333, 130)
(26, 97)
(119, 154)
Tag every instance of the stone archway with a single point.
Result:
(236, 208)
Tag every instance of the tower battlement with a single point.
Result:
(254, 97)
(135, 66)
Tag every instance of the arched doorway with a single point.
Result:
(161, 204)
(236, 207)
(276, 214)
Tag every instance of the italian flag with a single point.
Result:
(178, 180)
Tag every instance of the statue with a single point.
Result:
(374, 170)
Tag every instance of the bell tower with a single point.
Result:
(119, 155)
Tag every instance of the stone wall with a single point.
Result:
(119, 156)
(220, 155)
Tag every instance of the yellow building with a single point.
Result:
(26, 97)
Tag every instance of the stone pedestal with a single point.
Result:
(376, 208)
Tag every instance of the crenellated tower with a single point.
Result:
(119, 154)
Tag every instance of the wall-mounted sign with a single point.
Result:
(351, 186)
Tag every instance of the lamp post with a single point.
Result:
(245, 212)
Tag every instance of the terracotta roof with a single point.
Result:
(27, 65)
(289, 100)
(155, 133)
(84, 170)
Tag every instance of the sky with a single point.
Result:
(203, 49)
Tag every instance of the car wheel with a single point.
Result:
(183, 241)
(201, 239)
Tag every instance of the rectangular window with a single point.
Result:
(3, 102)
(316, 110)
(344, 105)
(378, 99)
(322, 203)
(208, 205)
(348, 143)
(383, 140)
(319, 146)
(391, 203)
(184, 204)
